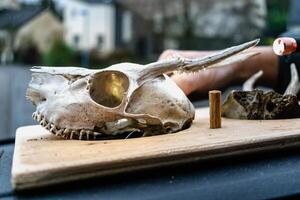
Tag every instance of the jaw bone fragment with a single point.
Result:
(79, 103)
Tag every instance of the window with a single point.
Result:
(76, 40)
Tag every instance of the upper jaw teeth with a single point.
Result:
(64, 132)
(71, 133)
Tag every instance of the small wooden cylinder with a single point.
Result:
(215, 108)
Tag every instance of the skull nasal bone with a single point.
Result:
(108, 88)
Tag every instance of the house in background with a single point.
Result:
(20, 27)
(42, 30)
(101, 25)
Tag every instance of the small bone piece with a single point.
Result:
(215, 109)
(294, 85)
(249, 84)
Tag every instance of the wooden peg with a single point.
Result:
(215, 108)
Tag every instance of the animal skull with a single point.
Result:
(256, 104)
(79, 103)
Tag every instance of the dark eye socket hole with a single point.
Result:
(270, 106)
(108, 88)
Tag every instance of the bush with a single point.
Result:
(99, 61)
(276, 17)
(60, 54)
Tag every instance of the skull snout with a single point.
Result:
(108, 88)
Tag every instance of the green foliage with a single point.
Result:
(277, 17)
(60, 55)
(101, 61)
(267, 41)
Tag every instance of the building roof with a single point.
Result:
(10, 18)
(98, 1)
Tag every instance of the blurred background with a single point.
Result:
(98, 33)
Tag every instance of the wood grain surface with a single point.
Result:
(215, 109)
(41, 158)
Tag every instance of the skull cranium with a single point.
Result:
(79, 103)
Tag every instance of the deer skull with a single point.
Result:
(79, 103)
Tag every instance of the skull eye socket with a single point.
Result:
(108, 88)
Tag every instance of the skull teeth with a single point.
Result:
(65, 132)
(48, 126)
(43, 122)
(80, 136)
(59, 132)
(73, 134)
(90, 132)
(82, 132)
(34, 115)
(38, 117)
(53, 128)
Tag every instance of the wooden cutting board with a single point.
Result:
(41, 158)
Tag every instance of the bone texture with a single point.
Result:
(249, 84)
(181, 64)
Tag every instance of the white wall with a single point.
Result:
(89, 21)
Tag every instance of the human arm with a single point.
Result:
(202, 82)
